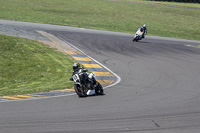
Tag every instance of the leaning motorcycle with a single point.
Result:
(83, 83)
(138, 35)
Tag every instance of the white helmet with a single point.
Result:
(144, 26)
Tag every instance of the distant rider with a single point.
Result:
(143, 28)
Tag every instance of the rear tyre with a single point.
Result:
(99, 89)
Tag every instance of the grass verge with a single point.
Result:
(107, 15)
(198, 46)
(28, 66)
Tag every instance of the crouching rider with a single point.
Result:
(77, 69)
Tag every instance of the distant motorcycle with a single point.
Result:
(138, 35)
(82, 84)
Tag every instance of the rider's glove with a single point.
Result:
(71, 79)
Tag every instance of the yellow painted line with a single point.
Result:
(92, 65)
(25, 96)
(82, 58)
(17, 97)
(66, 90)
(10, 97)
(73, 52)
(105, 82)
(102, 73)
(37, 95)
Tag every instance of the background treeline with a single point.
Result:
(186, 1)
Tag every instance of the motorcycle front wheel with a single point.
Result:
(79, 91)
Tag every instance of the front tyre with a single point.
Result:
(79, 90)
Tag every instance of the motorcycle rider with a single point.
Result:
(84, 76)
(142, 30)
(144, 27)
(76, 68)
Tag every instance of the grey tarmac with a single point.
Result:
(159, 90)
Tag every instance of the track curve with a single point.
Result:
(159, 90)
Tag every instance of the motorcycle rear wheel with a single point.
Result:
(99, 89)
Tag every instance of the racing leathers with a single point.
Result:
(145, 30)
(84, 77)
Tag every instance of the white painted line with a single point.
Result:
(118, 78)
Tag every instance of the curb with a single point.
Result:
(103, 75)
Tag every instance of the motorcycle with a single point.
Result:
(138, 35)
(83, 83)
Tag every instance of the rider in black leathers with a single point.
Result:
(83, 75)
(78, 69)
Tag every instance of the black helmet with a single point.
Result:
(76, 66)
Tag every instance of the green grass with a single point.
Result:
(107, 15)
(198, 46)
(28, 66)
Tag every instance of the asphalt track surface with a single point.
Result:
(159, 90)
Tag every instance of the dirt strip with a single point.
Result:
(56, 43)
